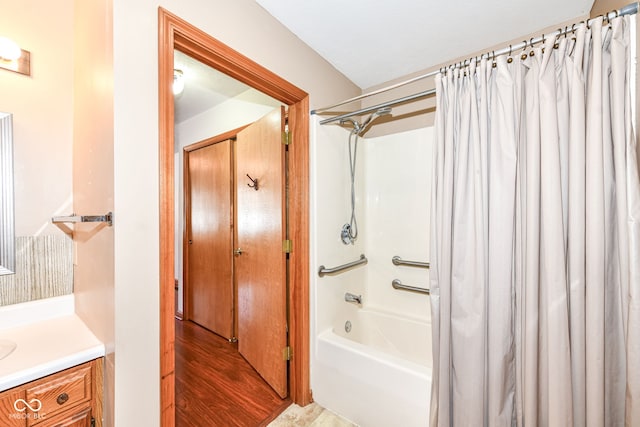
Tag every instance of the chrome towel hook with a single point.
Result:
(254, 183)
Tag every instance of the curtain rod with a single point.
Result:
(629, 9)
(378, 106)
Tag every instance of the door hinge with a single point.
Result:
(287, 246)
(93, 422)
(286, 138)
(287, 354)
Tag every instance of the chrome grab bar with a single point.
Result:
(397, 284)
(322, 270)
(396, 260)
(108, 218)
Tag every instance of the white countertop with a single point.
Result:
(50, 337)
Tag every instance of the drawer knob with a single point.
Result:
(62, 398)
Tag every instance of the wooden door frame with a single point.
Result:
(175, 33)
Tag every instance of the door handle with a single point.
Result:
(237, 251)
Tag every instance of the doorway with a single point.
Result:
(175, 33)
(235, 225)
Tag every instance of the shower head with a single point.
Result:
(378, 113)
(383, 111)
(356, 126)
(360, 128)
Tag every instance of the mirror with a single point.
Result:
(7, 224)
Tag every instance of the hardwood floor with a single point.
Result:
(215, 386)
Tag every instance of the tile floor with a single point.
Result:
(312, 415)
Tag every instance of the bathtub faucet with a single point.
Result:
(348, 297)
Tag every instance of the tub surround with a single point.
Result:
(50, 337)
(378, 373)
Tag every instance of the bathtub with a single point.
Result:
(379, 373)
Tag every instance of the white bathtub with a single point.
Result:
(377, 375)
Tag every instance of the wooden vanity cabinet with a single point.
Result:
(69, 398)
(7, 399)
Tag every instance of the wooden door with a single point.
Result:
(210, 238)
(261, 265)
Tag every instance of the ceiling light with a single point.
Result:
(9, 50)
(178, 81)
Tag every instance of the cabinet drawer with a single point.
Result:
(60, 392)
(78, 417)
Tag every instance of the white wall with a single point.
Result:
(231, 114)
(330, 210)
(397, 189)
(243, 26)
(93, 178)
(42, 108)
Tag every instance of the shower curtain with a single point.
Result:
(535, 237)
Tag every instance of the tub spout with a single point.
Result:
(349, 297)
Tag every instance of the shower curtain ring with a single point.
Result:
(556, 44)
(523, 56)
(532, 53)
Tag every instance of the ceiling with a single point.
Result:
(374, 41)
(206, 88)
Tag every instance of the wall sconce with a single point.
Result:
(178, 82)
(13, 58)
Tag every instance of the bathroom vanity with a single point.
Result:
(53, 376)
(70, 398)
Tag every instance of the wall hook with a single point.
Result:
(254, 183)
